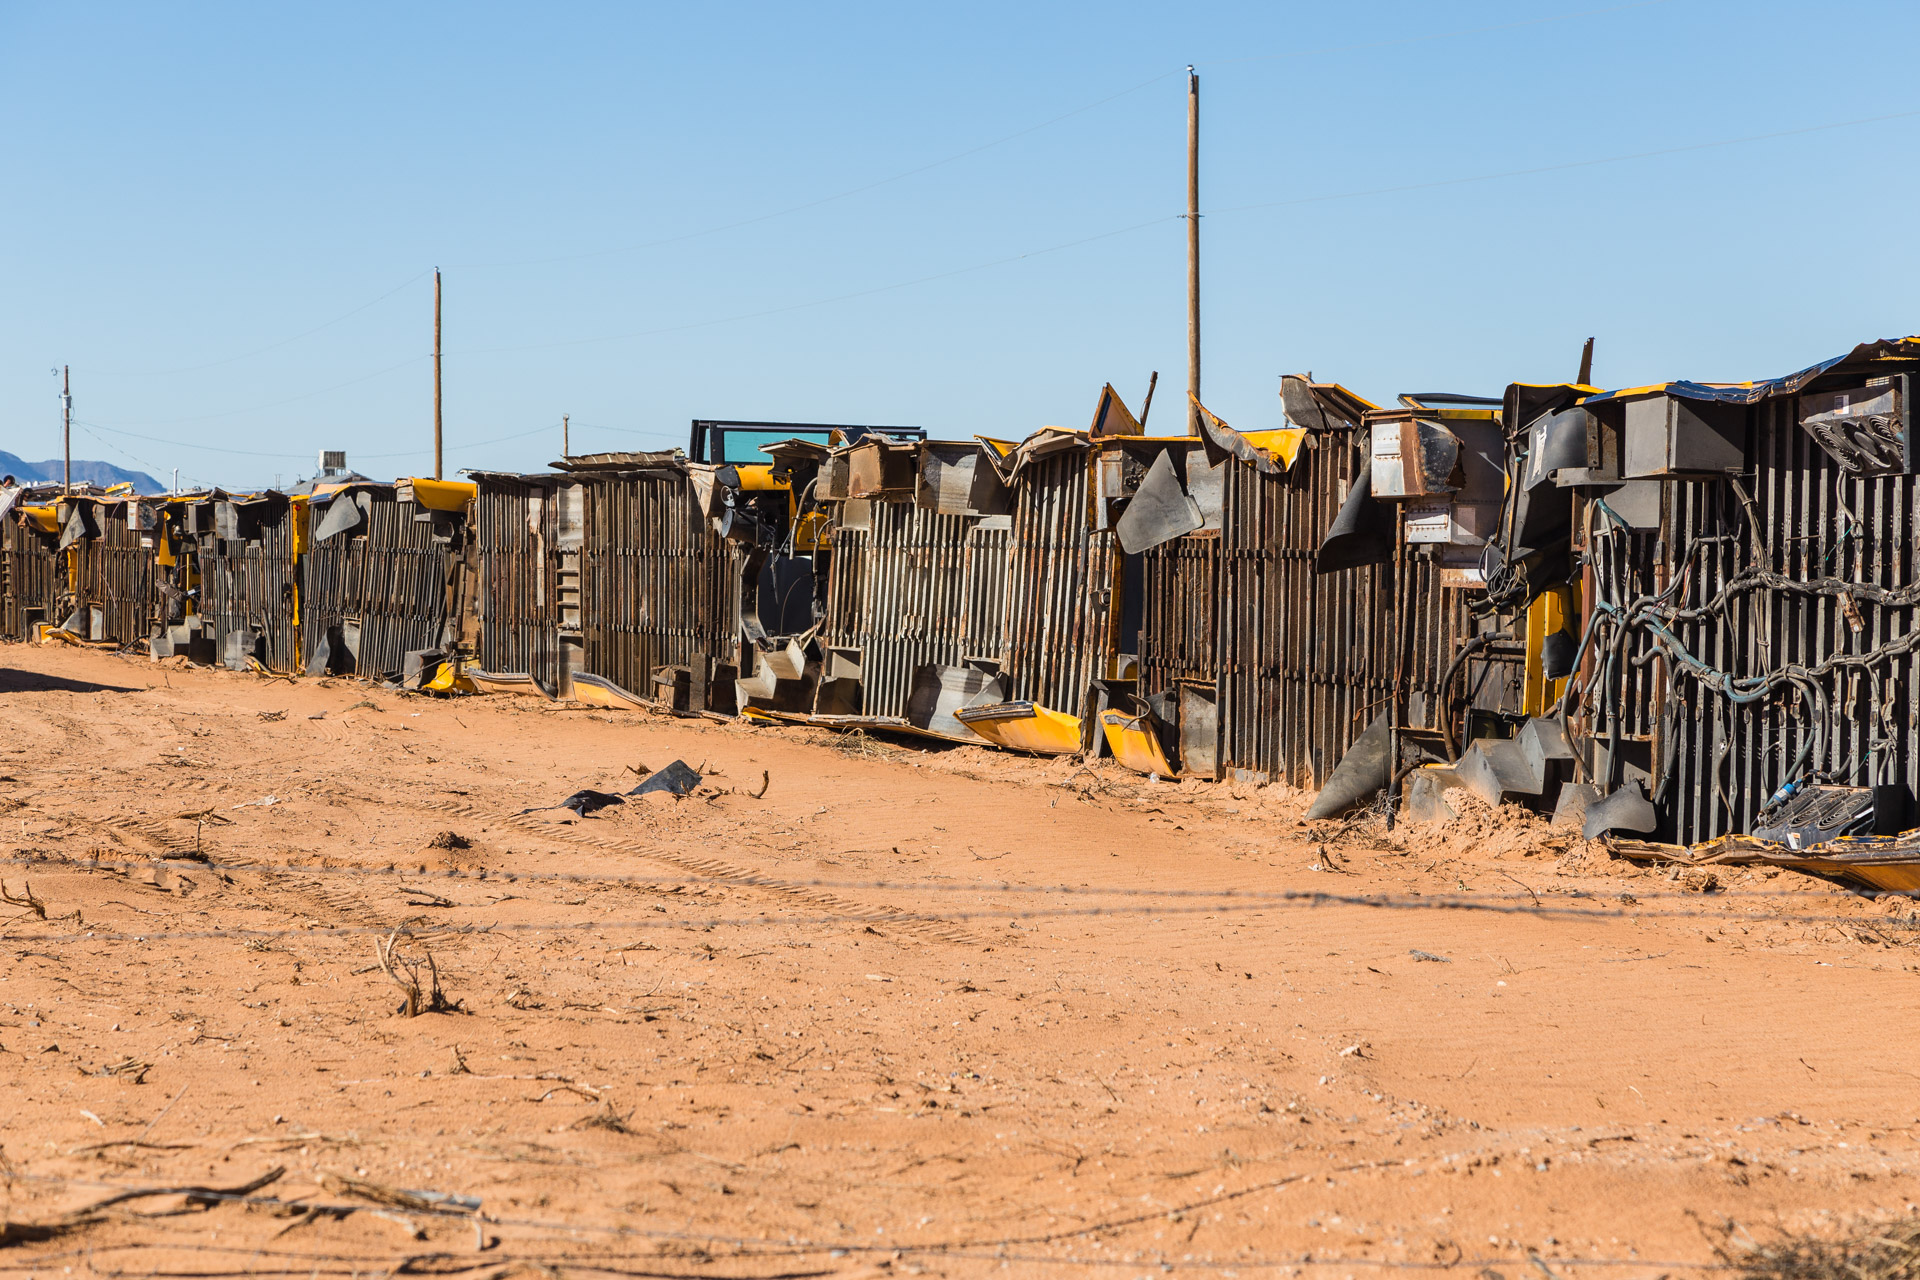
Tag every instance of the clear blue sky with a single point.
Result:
(189, 184)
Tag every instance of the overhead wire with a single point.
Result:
(272, 346)
(878, 183)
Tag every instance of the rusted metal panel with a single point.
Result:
(933, 600)
(111, 578)
(1798, 581)
(659, 587)
(1298, 663)
(517, 600)
(30, 577)
(382, 589)
(1062, 630)
(898, 597)
(248, 577)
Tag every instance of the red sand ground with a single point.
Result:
(659, 1068)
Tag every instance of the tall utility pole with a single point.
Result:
(66, 430)
(436, 373)
(1193, 250)
(566, 449)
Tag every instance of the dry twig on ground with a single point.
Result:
(26, 899)
(1873, 1251)
(406, 973)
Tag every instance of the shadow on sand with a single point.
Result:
(12, 681)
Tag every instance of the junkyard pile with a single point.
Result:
(868, 1020)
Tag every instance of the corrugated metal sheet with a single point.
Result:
(1434, 626)
(248, 582)
(392, 581)
(112, 576)
(898, 593)
(1061, 591)
(659, 587)
(29, 577)
(518, 601)
(1842, 539)
(1298, 663)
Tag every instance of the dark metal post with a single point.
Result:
(1193, 250)
(436, 373)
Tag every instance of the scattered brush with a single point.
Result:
(605, 1118)
(26, 899)
(418, 979)
(1871, 1251)
(449, 840)
(858, 742)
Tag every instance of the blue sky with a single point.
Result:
(190, 190)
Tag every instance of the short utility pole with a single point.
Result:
(1193, 250)
(66, 429)
(436, 373)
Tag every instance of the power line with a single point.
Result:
(1289, 55)
(1425, 39)
(108, 444)
(821, 302)
(1571, 164)
(248, 453)
(1118, 231)
(957, 156)
(275, 346)
(275, 404)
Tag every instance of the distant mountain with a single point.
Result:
(84, 472)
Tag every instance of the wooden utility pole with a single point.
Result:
(566, 450)
(66, 430)
(1193, 251)
(436, 373)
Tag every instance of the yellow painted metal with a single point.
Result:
(759, 477)
(46, 518)
(1134, 744)
(1284, 442)
(1046, 732)
(813, 533)
(443, 495)
(1556, 609)
(503, 682)
(596, 692)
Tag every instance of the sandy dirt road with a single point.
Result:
(912, 1011)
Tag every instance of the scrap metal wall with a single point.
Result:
(112, 575)
(1836, 542)
(902, 591)
(248, 584)
(1061, 632)
(29, 577)
(1306, 660)
(1434, 624)
(518, 603)
(660, 587)
(392, 580)
(1299, 663)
